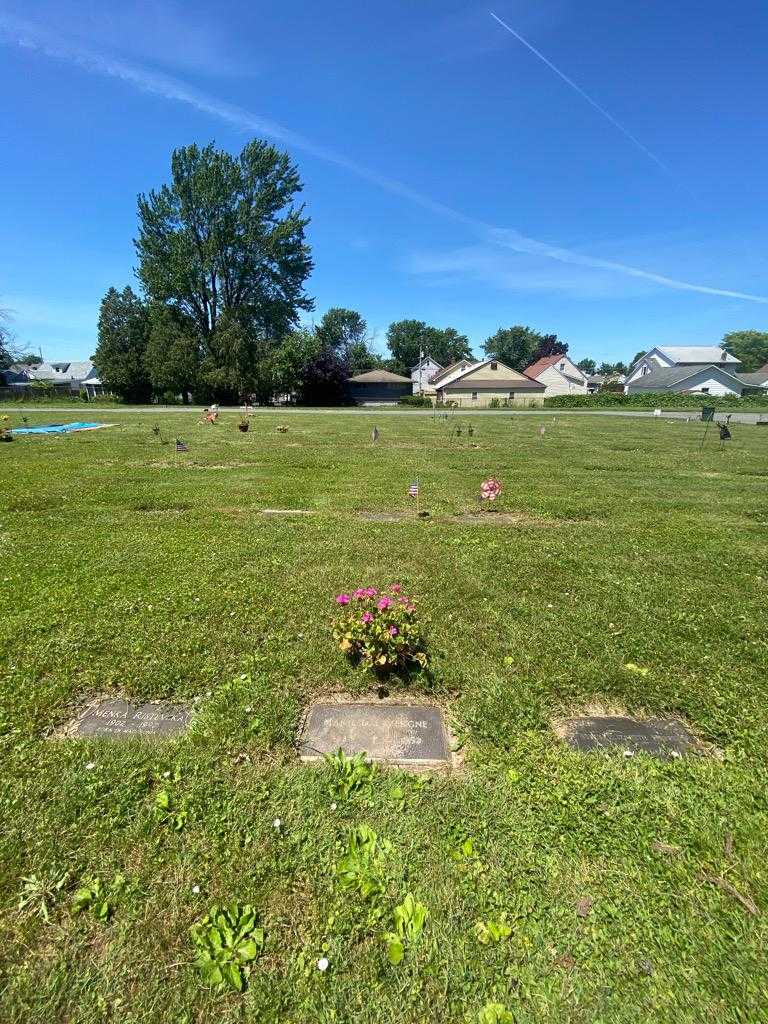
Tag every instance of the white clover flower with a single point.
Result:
(629, 753)
(195, 889)
(323, 963)
(90, 766)
(166, 775)
(333, 807)
(277, 824)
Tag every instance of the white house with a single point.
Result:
(559, 375)
(668, 356)
(713, 379)
(422, 373)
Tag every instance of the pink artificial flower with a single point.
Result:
(383, 604)
(360, 593)
(393, 630)
(342, 599)
(371, 592)
(367, 617)
(395, 588)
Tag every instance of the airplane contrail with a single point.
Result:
(584, 95)
(30, 37)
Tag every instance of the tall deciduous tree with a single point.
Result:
(225, 245)
(406, 339)
(6, 354)
(587, 366)
(514, 346)
(121, 350)
(751, 347)
(549, 345)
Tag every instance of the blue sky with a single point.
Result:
(450, 173)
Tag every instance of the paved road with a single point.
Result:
(114, 410)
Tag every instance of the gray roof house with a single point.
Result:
(711, 379)
(64, 375)
(378, 387)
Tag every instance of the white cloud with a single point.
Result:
(32, 37)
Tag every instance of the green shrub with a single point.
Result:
(416, 401)
(652, 400)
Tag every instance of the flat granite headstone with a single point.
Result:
(661, 737)
(396, 733)
(113, 717)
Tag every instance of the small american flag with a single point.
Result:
(181, 446)
(413, 490)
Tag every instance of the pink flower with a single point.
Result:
(371, 592)
(393, 630)
(395, 588)
(360, 593)
(342, 599)
(383, 604)
(367, 617)
(410, 607)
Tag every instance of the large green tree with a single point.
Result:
(224, 244)
(345, 332)
(587, 366)
(120, 356)
(515, 346)
(407, 339)
(751, 347)
(172, 358)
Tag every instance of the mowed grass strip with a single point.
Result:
(130, 569)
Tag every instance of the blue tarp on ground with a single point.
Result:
(58, 428)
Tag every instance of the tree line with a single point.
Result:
(223, 263)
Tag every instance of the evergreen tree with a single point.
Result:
(122, 346)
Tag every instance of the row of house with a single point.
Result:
(66, 377)
(700, 369)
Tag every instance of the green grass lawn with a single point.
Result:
(130, 569)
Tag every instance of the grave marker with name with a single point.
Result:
(114, 717)
(661, 737)
(394, 733)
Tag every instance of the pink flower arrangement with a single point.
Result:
(490, 489)
(387, 635)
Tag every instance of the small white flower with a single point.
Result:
(166, 775)
(277, 824)
(629, 753)
(248, 709)
(231, 614)
(550, 606)
(675, 753)
(195, 889)
(243, 675)
(323, 963)
(90, 766)
(333, 807)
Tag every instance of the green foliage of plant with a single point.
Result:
(416, 401)
(120, 355)
(653, 400)
(170, 810)
(350, 774)
(99, 897)
(491, 932)
(228, 940)
(360, 869)
(407, 339)
(495, 1013)
(380, 630)
(39, 894)
(751, 347)
(409, 918)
